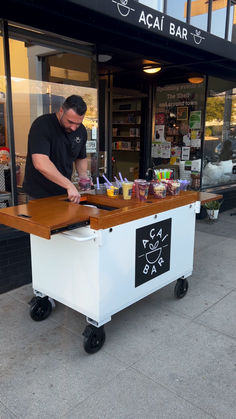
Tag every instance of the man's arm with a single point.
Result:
(81, 166)
(44, 165)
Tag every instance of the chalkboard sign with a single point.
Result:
(153, 243)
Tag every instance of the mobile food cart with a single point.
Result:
(98, 260)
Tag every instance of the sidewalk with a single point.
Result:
(163, 358)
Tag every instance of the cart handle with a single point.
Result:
(79, 239)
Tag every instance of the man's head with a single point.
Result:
(71, 113)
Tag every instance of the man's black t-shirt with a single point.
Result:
(47, 137)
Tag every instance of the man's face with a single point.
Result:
(70, 120)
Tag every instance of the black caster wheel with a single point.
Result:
(40, 308)
(181, 288)
(94, 338)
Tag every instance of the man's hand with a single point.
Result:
(73, 194)
(44, 165)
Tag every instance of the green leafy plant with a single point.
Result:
(213, 205)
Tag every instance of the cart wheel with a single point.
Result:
(40, 308)
(181, 288)
(94, 338)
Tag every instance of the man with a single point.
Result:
(55, 142)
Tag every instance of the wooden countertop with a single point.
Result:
(43, 217)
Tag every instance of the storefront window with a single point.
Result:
(219, 163)
(178, 129)
(177, 9)
(232, 23)
(3, 122)
(219, 18)
(199, 14)
(154, 4)
(4, 149)
(42, 77)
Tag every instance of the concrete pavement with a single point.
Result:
(163, 358)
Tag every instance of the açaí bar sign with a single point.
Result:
(137, 14)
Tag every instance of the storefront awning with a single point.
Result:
(132, 26)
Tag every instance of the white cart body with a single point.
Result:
(95, 271)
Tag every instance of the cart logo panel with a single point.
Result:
(153, 243)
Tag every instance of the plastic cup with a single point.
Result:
(183, 184)
(127, 190)
(143, 188)
(136, 182)
(151, 189)
(113, 191)
(117, 186)
(159, 190)
(84, 183)
(173, 187)
(101, 190)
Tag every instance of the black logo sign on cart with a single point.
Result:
(153, 244)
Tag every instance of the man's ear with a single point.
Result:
(60, 112)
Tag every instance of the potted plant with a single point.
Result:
(212, 209)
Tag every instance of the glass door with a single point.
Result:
(126, 124)
(4, 146)
(44, 72)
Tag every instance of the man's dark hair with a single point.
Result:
(76, 103)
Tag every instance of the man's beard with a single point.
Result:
(66, 130)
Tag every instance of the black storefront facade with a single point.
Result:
(128, 109)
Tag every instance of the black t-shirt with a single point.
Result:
(47, 137)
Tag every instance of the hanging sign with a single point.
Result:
(91, 146)
(94, 133)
